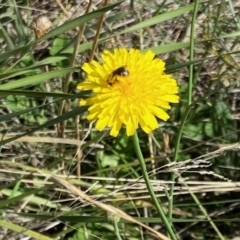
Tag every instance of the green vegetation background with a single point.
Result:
(192, 160)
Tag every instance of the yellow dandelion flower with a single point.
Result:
(129, 89)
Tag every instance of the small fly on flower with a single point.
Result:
(113, 77)
(41, 25)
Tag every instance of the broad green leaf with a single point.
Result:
(168, 47)
(33, 94)
(159, 18)
(18, 72)
(229, 35)
(35, 79)
(194, 130)
(51, 60)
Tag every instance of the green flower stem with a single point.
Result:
(150, 188)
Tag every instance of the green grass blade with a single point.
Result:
(36, 79)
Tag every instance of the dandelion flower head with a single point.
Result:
(129, 89)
